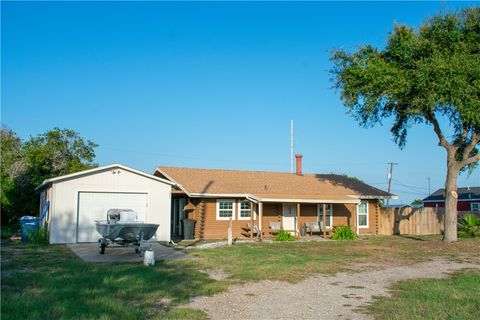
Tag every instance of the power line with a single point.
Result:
(416, 188)
(409, 192)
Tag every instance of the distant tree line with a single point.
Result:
(26, 164)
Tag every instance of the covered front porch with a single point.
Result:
(305, 218)
(251, 217)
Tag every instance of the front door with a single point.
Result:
(289, 217)
(178, 216)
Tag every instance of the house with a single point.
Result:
(73, 202)
(213, 197)
(468, 199)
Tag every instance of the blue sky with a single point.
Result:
(209, 85)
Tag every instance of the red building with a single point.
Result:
(468, 199)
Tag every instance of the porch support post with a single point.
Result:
(251, 220)
(324, 221)
(280, 209)
(355, 208)
(297, 226)
(260, 218)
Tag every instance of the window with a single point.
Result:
(475, 206)
(244, 213)
(328, 214)
(362, 215)
(225, 209)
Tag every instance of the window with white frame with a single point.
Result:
(225, 209)
(475, 206)
(328, 214)
(362, 214)
(244, 212)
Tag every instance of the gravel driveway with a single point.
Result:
(318, 297)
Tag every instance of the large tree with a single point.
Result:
(12, 168)
(57, 152)
(430, 75)
(26, 164)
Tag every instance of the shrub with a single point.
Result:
(343, 233)
(8, 231)
(284, 236)
(39, 236)
(469, 226)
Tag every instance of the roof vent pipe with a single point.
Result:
(298, 156)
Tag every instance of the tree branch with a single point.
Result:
(464, 135)
(436, 127)
(471, 145)
(471, 160)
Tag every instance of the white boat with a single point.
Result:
(123, 227)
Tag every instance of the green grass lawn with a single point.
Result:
(455, 298)
(44, 282)
(294, 261)
(50, 282)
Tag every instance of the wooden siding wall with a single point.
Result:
(208, 227)
(271, 212)
(409, 221)
(345, 214)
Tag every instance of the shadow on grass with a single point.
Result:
(411, 237)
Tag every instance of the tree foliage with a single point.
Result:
(27, 164)
(416, 202)
(418, 76)
(430, 75)
(12, 169)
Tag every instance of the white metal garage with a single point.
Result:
(78, 199)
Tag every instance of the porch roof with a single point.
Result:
(326, 198)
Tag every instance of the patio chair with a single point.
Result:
(328, 230)
(275, 227)
(312, 227)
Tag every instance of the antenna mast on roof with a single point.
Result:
(291, 146)
(390, 172)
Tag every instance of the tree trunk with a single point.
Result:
(451, 197)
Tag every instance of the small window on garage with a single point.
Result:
(225, 209)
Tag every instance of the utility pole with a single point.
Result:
(429, 180)
(390, 177)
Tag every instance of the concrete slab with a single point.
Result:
(88, 252)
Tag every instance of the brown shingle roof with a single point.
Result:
(266, 184)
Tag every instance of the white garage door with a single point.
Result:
(94, 205)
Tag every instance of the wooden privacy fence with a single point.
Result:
(410, 221)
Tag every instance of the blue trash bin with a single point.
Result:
(28, 224)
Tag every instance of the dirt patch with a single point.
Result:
(337, 297)
(218, 275)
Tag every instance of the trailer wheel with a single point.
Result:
(101, 247)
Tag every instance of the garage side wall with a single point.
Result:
(63, 221)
